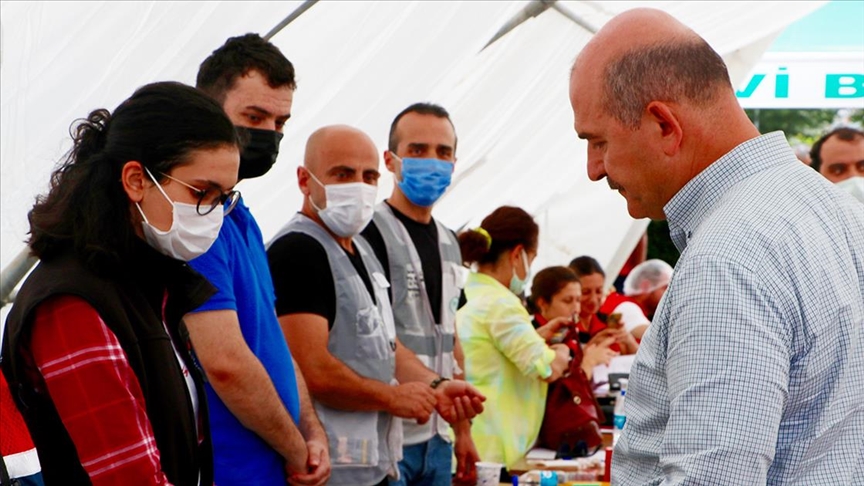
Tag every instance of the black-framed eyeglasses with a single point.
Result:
(210, 198)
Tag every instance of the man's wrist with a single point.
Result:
(462, 428)
(437, 382)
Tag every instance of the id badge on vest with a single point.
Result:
(380, 284)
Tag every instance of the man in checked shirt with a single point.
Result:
(752, 370)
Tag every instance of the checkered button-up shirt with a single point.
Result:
(753, 369)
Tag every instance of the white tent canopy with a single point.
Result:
(358, 63)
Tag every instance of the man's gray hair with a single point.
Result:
(674, 71)
(647, 277)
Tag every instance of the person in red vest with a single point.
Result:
(18, 458)
(591, 324)
(554, 304)
(643, 289)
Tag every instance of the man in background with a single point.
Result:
(839, 156)
(643, 289)
(752, 370)
(422, 261)
(338, 319)
(265, 430)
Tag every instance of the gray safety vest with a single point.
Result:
(415, 323)
(364, 446)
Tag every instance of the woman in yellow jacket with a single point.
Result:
(505, 358)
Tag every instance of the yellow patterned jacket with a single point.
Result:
(506, 360)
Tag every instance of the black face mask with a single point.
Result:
(259, 153)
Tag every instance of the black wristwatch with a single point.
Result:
(437, 382)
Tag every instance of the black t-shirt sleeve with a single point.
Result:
(373, 236)
(301, 277)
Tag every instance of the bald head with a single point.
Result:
(649, 94)
(328, 145)
(645, 55)
(634, 28)
(336, 154)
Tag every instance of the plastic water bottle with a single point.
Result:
(619, 418)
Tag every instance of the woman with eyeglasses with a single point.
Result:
(95, 352)
(505, 358)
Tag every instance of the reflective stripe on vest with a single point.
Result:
(415, 323)
(364, 446)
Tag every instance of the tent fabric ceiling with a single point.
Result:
(358, 63)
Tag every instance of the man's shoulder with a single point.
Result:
(755, 219)
(227, 245)
(296, 245)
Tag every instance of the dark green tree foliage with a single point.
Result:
(660, 244)
(802, 125)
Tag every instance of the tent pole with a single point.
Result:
(535, 8)
(13, 273)
(574, 18)
(290, 18)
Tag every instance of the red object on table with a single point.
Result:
(607, 474)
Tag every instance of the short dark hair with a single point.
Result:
(847, 134)
(507, 227)
(547, 283)
(586, 265)
(239, 55)
(420, 109)
(86, 208)
(670, 71)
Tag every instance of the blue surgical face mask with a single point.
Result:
(517, 285)
(424, 180)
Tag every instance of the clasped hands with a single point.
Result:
(454, 400)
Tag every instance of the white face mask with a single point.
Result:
(349, 207)
(190, 235)
(854, 186)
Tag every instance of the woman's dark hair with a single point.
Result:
(507, 227)
(585, 265)
(86, 209)
(547, 283)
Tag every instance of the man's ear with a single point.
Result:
(133, 178)
(393, 163)
(666, 126)
(303, 180)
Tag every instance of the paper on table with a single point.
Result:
(540, 454)
(564, 464)
(618, 364)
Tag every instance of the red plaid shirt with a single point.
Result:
(97, 395)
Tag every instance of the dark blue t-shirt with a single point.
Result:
(237, 265)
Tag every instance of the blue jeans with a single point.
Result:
(426, 464)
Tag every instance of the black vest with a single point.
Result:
(130, 304)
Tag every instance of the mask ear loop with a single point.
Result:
(317, 209)
(399, 179)
(159, 187)
(142, 213)
(525, 263)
